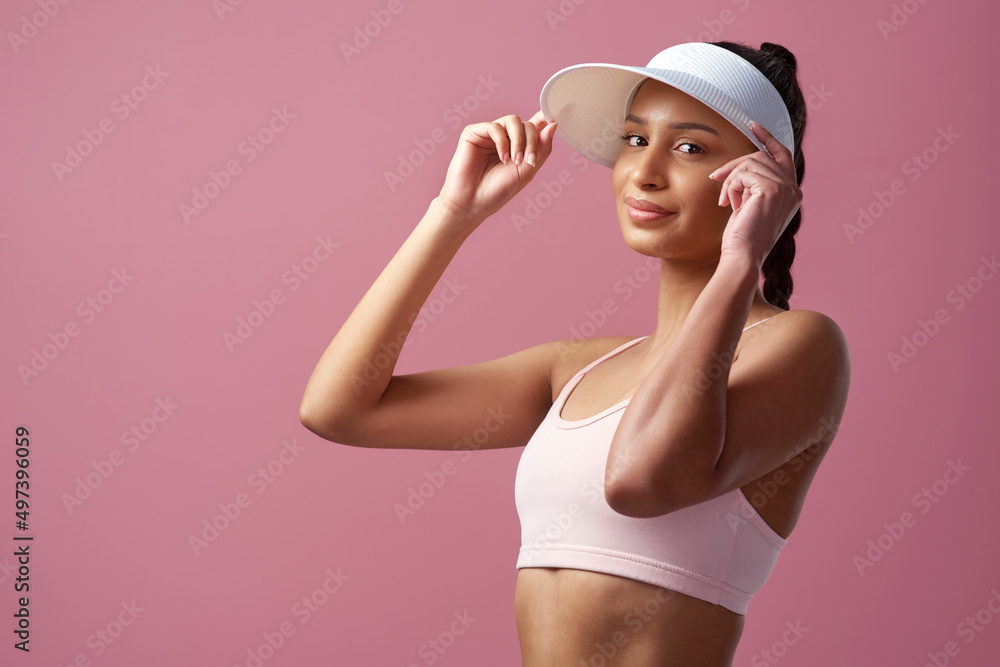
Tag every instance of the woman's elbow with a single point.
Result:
(642, 497)
(315, 421)
(636, 498)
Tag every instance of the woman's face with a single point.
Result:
(672, 143)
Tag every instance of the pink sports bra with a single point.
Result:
(720, 551)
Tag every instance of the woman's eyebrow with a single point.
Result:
(675, 126)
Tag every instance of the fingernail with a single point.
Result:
(530, 159)
(712, 175)
(518, 157)
(506, 158)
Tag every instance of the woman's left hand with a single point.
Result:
(764, 196)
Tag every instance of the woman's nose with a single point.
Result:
(648, 171)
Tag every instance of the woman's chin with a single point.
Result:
(647, 241)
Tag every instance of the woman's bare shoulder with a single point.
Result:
(801, 339)
(807, 326)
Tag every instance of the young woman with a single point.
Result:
(661, 474)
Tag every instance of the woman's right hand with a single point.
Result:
(493, 162)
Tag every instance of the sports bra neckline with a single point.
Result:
(576, 379)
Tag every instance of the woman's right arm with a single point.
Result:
(353, 398)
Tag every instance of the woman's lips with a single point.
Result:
(641, 210)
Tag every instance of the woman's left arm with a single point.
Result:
(699, 426)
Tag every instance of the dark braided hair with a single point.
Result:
(779, 65)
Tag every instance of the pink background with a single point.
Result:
(878, 99)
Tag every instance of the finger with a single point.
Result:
(543, 145)
(775, 148)
(749, 169)
(540, 123)
(539, 119)
(530, 143)
(732, 185)
(733, 195)
(546, 135)
(736, 188)
(499, 136)
(739, 184)
(515, 130)
(758, 163)
(727, 169)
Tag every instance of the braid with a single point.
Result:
(777, 266)
(779, 65)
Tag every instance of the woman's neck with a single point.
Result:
(680, 285)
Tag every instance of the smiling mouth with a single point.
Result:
(641, 210)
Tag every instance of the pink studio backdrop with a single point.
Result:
(195, 196)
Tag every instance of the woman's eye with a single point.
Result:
(633, 139)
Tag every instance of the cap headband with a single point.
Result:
(590, 100)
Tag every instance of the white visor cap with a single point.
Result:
(590, 101)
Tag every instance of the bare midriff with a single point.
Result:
(578, 618)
